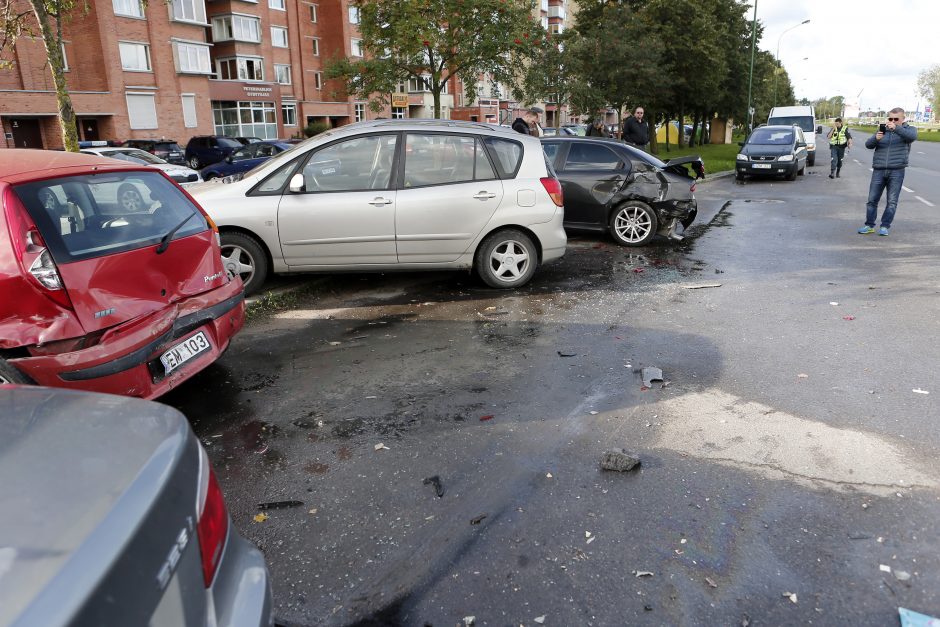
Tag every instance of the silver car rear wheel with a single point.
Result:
(633, 223)
(507, 259)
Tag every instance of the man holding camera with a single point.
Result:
(892, 145)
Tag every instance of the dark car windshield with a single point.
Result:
(168, 146)
(805, 122)
(88, 216)
(226, 142)
(771, 137)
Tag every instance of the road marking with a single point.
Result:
(907, 189)
(921, 152)
(926, 202)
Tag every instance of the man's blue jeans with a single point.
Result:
(880, 179)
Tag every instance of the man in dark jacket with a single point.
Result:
(528, 122)
(597, 129)
(892, 148)
(635, 130)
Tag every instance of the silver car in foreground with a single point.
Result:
(394, 195)
(113, 516)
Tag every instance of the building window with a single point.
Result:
(417, 85)
(277, 4)
(128, 8)
(289, 114)
(65, 59)
(398, 113)
(556, 29)
(240, 69)
(353, 15)
(236, 28)
(279, 37)
(189, 11)
(189, 110)
(134, 57)
(313, 13)
(245, 119)
(356, 47)
(191, 58)
(318, 80)
(141, 111)
(282, 74)
(315, 44)
(360, 112)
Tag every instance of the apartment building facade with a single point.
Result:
(186, 67)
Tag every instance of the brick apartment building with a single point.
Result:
(181, 68)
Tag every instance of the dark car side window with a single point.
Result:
(551, 151)
(584, 156)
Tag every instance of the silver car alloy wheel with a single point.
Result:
(632, 224)
(238, 262)
(131, 200)
(509, 261)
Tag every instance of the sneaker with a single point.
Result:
(883, 230)
(866, 230)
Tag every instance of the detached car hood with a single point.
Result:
(680, 166)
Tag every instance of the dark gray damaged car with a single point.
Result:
(112, 516)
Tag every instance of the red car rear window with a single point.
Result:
(82, 217)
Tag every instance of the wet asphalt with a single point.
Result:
(789, 466)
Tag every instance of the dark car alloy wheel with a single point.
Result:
(633, 223)
(243, 256)
(506, 258)
(194, 163)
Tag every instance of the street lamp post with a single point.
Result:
(777, 58)
(750, 80)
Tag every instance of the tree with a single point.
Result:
(432, 41)
(928, 86)
(550, 71)
(18, 19)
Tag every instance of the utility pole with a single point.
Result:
(750, 80)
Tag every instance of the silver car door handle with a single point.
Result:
(484, 196)
(378, 202)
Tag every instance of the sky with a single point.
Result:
(852, 46)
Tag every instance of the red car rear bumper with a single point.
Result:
(126, 360)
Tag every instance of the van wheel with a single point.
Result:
(10, 374)
(633, 223)
(194, 163)
(129, 199)
(811, 160)
(738, 176)
(243, 256)
(791, 176)
(208, 176)
(507, 258)
(802, 171)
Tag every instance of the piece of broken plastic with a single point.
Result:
(651, 374)
(910, 618)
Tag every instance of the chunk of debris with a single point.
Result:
(260, 517)
(802, 375)
(561, 354)
(833, 303)
(651, 374)
(540, 619)
(619, 460)
(478, 519)
(711, 582)
(910, 618)
(901, 575)
(435, 482)
(848, 317)
(381, 447)
(700, 286)
(487, 417)
(883, 568)
(791, 596)
(468, 621)
(919, 391)
(279, 505)
(642, 573)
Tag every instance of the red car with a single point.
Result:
(111, 277)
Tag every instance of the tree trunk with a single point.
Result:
(668, 124)
(436, 88)
(651, 131)
(695, 119)
(52, 39)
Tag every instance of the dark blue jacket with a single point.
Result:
(892, 151)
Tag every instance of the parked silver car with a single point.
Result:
(113, 516)
(394, 195)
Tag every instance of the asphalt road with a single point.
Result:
(786, 464)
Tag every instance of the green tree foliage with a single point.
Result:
(928, 86)
(548, 71)
(432, 41)
(46, 16)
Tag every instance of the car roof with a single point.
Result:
(23, 164)
(430, 124)
(156, 141)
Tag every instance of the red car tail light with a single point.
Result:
(553, 187)
(212, 520)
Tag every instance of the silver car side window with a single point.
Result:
(438, 159)
(359, 164)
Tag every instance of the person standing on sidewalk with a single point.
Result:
(839, 139)
(528, 124)
(892, 145)
(597, 129)
(635, 130)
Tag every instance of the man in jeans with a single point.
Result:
(892, 147)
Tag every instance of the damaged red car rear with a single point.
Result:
(111, 277)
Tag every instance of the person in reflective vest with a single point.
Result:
(839, 139)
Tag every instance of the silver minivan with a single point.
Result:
(393, 195)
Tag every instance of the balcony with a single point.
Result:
(557, 11)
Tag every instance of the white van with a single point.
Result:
(805, 118)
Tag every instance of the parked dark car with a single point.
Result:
(111, 277)
(167, 149)
(116, 518)
(248, 140)
(244, 159)
(772, 151)
(205, 149)
(610, 186)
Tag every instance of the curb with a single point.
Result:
(717, 176)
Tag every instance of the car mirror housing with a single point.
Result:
(297, 183)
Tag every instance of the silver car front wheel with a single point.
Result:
(243, 257)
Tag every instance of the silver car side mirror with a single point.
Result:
(297, 183)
